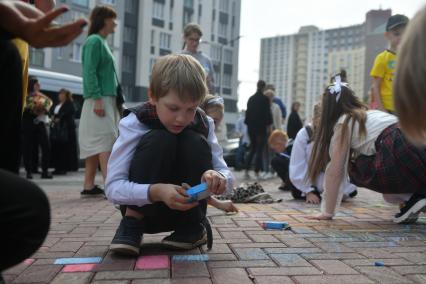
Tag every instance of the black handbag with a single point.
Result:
(119, 98)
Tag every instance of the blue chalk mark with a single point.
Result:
(196, 257)
(78, 260)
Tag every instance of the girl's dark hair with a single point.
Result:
(331, 111)
(98, 16)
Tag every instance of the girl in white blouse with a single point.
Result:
(369, 146)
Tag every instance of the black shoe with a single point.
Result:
(182, 239)
(353, 193)
(46, 175)
(128, 237)
(411, 210)
(95, 191)
(29, 176)
(59, 172)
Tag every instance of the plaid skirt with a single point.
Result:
(397, 166)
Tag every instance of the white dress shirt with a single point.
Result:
(300, 155)
(118, 188)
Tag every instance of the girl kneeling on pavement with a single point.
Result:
(369, 145)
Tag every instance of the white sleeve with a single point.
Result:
(118, 188)
(218, 162)
(299, 162)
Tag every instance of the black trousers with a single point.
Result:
(257, 144)
(24, 219)
(11, 101)
(34, 135)
(163, 157)
(281, 165)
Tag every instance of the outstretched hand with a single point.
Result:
(216, 183)
(39, 32)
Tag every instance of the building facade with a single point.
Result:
(149, 29)
(300, 65)
(160, 32)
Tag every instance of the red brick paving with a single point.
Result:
(340, 251)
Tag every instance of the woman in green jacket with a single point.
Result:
(98, 128)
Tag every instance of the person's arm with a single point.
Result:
(45, 5)
(378, 73)
(377, 81)
(218, 162)
(334, 174)
(118, 188)
(299, 162)
(37, 32)
(92, 57)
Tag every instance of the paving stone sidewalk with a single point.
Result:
(340, 251)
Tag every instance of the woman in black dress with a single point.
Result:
(294, 121)
(63, 134)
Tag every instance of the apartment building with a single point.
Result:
(149, 29)
(300, 65)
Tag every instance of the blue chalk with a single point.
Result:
(196, 257)
(379, 263)
(198, 192)
(274, 225)
(78, 260)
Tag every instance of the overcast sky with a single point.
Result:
(266, 18)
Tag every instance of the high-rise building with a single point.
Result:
(149, 29)
(300, 65)
(160, 32)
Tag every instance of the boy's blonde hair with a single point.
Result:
(192, 28)
(410, 84)
(277, 134)
(181, 73)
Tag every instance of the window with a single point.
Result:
(36, 57)
(84, 3)
(188, 4)
(224, 5)
(76, 52)
(109, 2)
(130, 6)
(227, 56)
(127, 64)
(165, 40)
(60, 52)
(151, 64)
(227, 80)
(129, 34)
(158, 10)
(215, 53)
(152, 37)
(223, 30)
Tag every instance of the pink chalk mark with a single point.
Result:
(29, 261)
(153, 262)
(78, 267)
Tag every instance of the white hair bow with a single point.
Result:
(336, 88)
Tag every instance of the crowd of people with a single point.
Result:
(151, 154)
